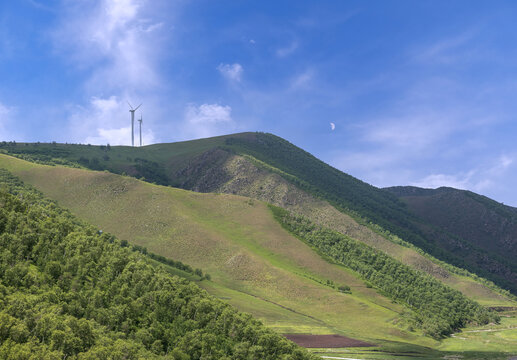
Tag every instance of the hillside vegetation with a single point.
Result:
(439, 310)
(370, 204)
(202, 165)
(244, 177)
(254, 263)
(66, 291)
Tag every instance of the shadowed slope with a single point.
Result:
(471, 221)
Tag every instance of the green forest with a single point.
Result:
(438, 309)
(69, 291)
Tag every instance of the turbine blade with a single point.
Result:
(131, 106)
(138, 107)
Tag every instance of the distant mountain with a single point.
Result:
(471, 225)
(269, 168)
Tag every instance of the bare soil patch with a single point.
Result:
(325, 341)
(503, 308)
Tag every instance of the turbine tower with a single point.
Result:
(132, 111)
(140, 120)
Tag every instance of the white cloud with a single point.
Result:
(208, 114)
(120, 136)
(207, 120)
(117, 46)
(231, 72)
(106, 120)
(482, 178)
(113, 36)
(110, 136)
(458, 181)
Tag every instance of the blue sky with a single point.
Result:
(421, 92)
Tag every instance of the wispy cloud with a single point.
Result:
(478, 179)
(231, 72)
(302, 80)
(117, 45)
(430, 124)
(287, 50)
(116, 39)
(207, 120)
(445, 51)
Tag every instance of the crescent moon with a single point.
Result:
(332, 126)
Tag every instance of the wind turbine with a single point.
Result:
(132, 111)
(140, 120)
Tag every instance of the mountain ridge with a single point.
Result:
(198, 165)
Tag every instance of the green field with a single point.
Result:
(254, 263)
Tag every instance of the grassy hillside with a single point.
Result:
(244, 177)
(255, 264)
(371, 204)
(69, 292)
(266, 167)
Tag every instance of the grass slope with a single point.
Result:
(245, 178)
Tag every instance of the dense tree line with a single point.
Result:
(438, 309)
(95, 158)
(69, 291)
